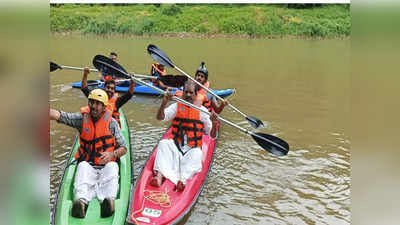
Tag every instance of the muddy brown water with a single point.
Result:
(298, 88)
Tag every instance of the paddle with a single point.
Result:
(268, 142)
(54, 66)
(162, 58)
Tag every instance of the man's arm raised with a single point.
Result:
(166, 99)
(86, 71)
(214, 120)
(84, 84)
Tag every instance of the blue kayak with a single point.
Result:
(144, 90)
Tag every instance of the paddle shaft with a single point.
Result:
(210, 91)
(77, 68)
(95, 70)
(101, 82)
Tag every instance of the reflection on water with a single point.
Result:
(298, 88)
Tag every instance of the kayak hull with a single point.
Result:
(144, 90)
(142, 211)
(64, 200)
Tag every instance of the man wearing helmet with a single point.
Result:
(101, 144)
(209, 101)
(115, 101)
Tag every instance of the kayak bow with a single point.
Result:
(145, 208)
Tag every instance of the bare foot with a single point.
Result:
(157, 179)
(179, 186)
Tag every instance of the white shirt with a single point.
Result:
(170, 113)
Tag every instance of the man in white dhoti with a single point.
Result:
(179, 157)
(101, 144)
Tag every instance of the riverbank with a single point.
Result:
(205, 21)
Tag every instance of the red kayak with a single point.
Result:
(163, 205)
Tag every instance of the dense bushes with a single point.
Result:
(242, 19)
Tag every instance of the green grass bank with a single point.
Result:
(253, 20)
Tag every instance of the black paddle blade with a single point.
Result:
(254, 122)
(272, 144)
(101, 62)
(159, 55)
(54, 67)
(173, 80)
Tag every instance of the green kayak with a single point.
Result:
(61, 214)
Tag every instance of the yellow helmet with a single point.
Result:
(99, 95)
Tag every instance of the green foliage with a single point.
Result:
(139, 26)
(260, 20)
(302, 5)
(170, 10)
(201, 28)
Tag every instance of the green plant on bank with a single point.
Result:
(170, 10)
(260, 20)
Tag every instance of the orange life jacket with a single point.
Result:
(179, 93)
(108, 77)
(111, 77)
(207, 104)
(206, 101)
(113, 108)
(155, 70)
(95, 138)
(202, 90)
(187, 121)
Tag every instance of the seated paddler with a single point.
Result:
(179, 157)
(101, 144)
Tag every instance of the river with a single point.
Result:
(298, 88)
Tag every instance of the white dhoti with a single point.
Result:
(101, 183)
(175, 166)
